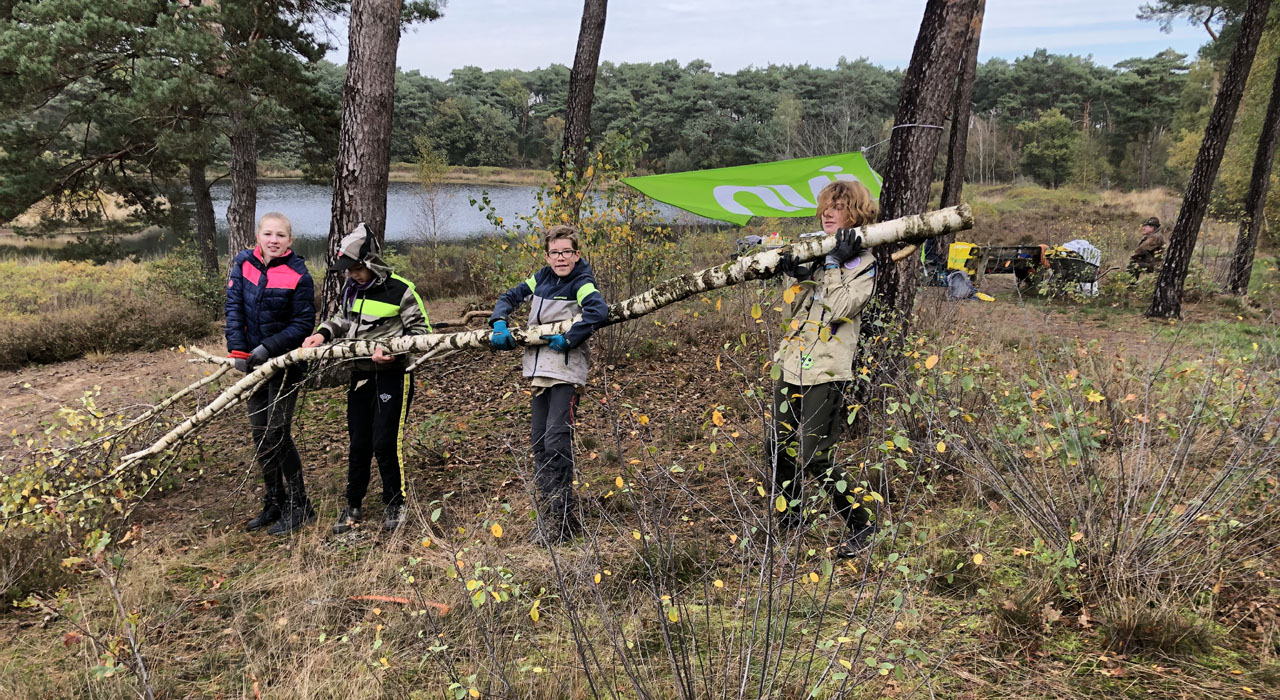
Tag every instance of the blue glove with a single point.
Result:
(557, 342)
(501, 338)
(259, 355)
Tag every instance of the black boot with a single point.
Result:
(293, 518)
(349, 519)
(394, 518)
(860, 537)
(297, 510)
(556, 528)
(270, 514)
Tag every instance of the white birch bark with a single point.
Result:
(761, 265)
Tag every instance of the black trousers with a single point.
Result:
(271, 420)
(552, 433)
(807, 425)
(377, 403)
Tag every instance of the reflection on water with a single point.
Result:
(308, 207)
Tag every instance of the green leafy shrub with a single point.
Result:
(180, 275)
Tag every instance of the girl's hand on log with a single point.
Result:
(382, 357)
(313, 341)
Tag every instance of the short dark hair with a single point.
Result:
(1153, 222)
(558, 232)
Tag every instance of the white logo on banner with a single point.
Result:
(773, 196)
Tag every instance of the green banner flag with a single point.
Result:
(784, 188)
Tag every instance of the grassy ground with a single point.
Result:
(981, 586)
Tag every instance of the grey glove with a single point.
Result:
(848, 245)
(259, 355)
(242, 364)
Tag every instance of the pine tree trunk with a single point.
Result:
(1255, 202)
(206, 225)
(582, 85)
(1167, 300)
(927, 87)
(1144, 160)
(242, 209)
(364, 137)
(957, 146)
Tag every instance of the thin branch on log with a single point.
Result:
(762, 265)
(466, 319)
(210, 358)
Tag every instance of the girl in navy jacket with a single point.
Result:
(271, 308)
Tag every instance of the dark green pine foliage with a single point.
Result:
(126, 98)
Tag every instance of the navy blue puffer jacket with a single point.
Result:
(270, 304)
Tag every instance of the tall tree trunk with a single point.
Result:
(364, 137)
(582, 86)
(957, 146)
(206, 226)
(243, 207)
(1167, 300)
(1255, 202)
(1144, 160)
(926, 88)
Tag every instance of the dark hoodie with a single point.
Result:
(389, 307)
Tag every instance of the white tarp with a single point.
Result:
(1090, 254)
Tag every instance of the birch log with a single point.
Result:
(761, 265)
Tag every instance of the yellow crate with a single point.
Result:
(963, 256)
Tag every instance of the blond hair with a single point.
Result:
(558, 232)
(288, 225)
(854, 199)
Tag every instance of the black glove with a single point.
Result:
(848, 245)
(259, 355)
(788, 266)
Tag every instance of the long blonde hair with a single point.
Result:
(854, 198)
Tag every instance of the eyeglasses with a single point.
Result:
(561, 253)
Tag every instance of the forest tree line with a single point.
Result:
(142, 102)
(1052, 118)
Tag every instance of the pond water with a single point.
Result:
(308, 207)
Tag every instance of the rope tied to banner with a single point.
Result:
(899, 126)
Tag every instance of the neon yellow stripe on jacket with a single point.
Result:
(380, 309)
(414, 291)
(533, 284)
(584, 291)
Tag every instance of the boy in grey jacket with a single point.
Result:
(559, 291)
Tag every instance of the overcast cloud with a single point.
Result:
(733, 34)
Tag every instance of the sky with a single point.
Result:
(734, 34)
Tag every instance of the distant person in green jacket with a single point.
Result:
(376, 304)
(816, 360)
(1149, 248)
